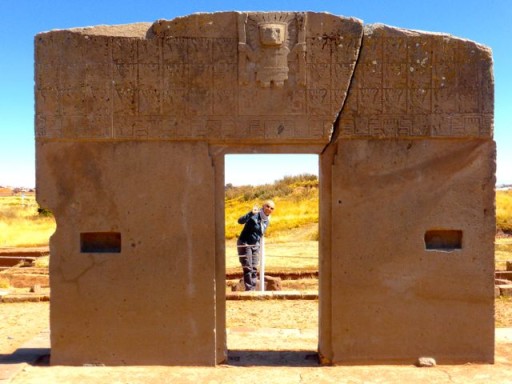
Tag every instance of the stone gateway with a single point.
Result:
(132, 126)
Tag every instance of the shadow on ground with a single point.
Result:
(33, 356)
(259, 358)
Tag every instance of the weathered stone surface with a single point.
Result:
(213, 77)
(390, 193)
(152, 302)
(414, 84)
(132, 125)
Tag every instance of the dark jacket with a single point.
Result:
(253, 228)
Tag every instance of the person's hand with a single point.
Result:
(255, 209)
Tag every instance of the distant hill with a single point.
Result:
(288, 185)
(296, 199)
(10, 191)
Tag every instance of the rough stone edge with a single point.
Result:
(389, 30)
(137, 30)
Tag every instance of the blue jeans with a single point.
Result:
(249, 256)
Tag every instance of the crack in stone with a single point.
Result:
(335, 129)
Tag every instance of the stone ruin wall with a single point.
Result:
(132, 123)
(187, 80)
(192, 83)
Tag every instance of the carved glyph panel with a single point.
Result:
(410, 84)
(233, 72)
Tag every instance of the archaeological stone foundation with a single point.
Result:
(132, 126)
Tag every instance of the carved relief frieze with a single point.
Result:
(48, 126)
(148, 102)
(175, 50)
(167, 128)
(298, 69)
(125, 75)
(225, 102)
(225, 50)
(97, 49)
(175, 75)
(394, 100)
(124, 50)
(71, 76)
(420, 125)
(224, 75)
(198, 102)
(238, 85)
(319, 102)
(279, 128)
(411, 84)
(97, 75)
(98, 101)
(199, 50)
(174, 102)
(320, 128)
(125, 101)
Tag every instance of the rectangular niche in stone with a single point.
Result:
(100, 242)
(443, 240)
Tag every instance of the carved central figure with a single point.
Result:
(273, 62)
(264, 47)
(272, 34)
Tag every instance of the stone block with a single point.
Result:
(506, 290)
(426, 362)
(35, 288)
(132, 126)
(271, 284)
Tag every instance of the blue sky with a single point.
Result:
(486, 22)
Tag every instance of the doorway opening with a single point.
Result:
(279, 320)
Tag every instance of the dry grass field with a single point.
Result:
(290, 250)
(291, 240)
(21, 225)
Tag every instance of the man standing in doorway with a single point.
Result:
(249, 243)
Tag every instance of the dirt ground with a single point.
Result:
(275, 324)
(22, 321)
